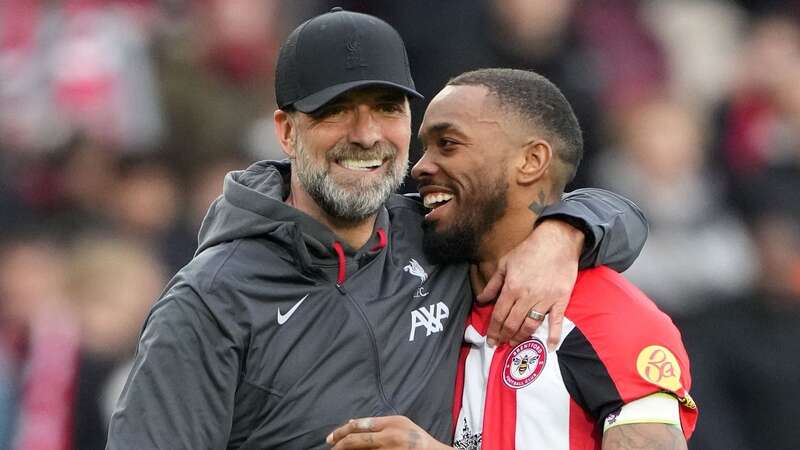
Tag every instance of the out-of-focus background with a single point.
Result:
(119, 118)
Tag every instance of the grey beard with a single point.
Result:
(353, 203)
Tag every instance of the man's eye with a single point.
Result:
(390, 107)
(445, 142)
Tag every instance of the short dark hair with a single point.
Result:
(535, 99)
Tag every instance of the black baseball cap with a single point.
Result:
(337, 51)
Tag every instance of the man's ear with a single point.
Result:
(536, 159)
(285, 131)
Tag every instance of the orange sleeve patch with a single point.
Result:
(657, 365)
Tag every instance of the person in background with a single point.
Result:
(698, 251)
(748, 378)
(39, 342)
(111, 283)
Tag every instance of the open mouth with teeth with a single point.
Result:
(436, 199)
(362, 165)
(439, 200)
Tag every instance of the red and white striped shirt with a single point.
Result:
(615, 347)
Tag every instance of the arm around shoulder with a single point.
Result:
(615, 227)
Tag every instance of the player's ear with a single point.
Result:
(285, 131)
(537, 156)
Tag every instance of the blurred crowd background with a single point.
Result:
(119, 119)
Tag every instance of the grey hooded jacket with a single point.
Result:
(270, 338)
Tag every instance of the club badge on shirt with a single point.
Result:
(524, 363)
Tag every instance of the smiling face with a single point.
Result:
(499, 145)
(464, 171)
(352, 153)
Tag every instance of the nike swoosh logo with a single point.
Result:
(282, 318)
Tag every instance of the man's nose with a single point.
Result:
(424, 167)
(366, 131)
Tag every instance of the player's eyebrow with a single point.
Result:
(437, 128)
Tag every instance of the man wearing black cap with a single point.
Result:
(310, 300)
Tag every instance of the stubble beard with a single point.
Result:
(460, 241)
(350, 202)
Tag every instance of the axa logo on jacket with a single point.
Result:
(430, 317)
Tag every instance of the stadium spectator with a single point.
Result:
(112, 283)
(758, 131)
(748, 378)
(698, 252)
(144, 203)
(40, 341)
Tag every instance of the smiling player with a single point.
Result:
(500, 145)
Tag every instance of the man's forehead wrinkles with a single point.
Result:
(495, 114)
(488, 114)
(462, 102)
(490, 110)
(489, 120)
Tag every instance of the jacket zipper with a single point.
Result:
(373, 343)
